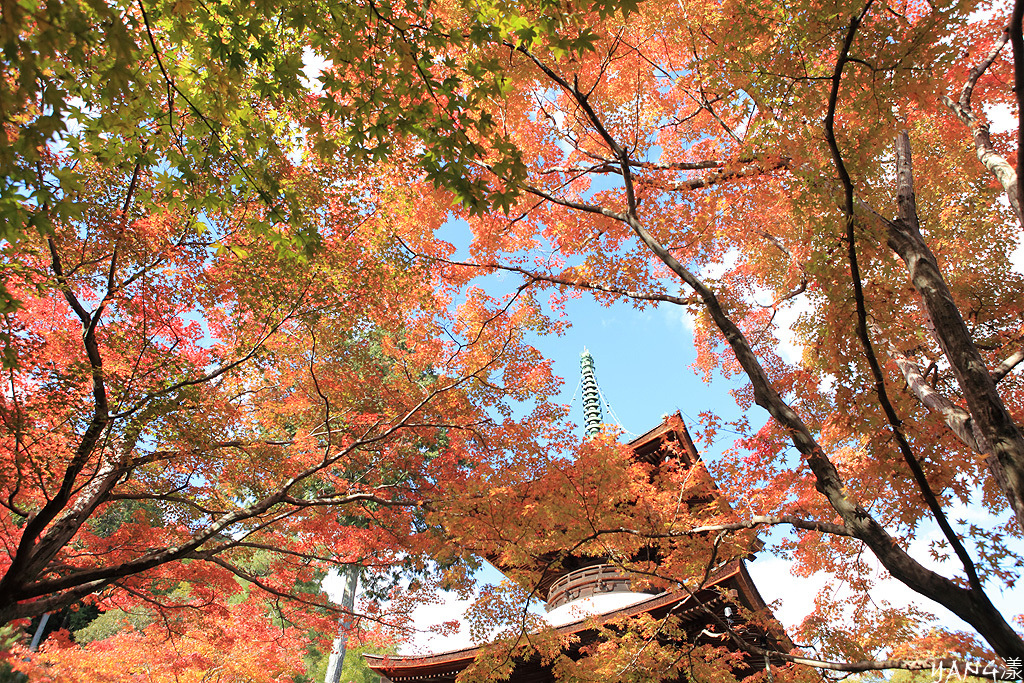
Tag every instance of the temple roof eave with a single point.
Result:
(734, 574)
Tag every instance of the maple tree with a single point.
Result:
(238, 642)
(200, 425)
(257, 369)
(226, 81)
(212, 350)
(743, 160)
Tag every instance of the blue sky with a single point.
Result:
(642, 360)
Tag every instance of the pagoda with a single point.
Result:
(582, 592)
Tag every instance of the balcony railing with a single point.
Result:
(582, 583)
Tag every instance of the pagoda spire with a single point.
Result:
(591, 397)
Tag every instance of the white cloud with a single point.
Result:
(714, 270)
(334, 585)
(1017, 255)
(789, 348)
(795, 594)
(312, 66)
(682, 316)
(428, 617)
(1000, 118)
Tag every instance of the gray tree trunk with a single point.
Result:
(348, 601)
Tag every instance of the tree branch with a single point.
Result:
(752, 523)
(1007, 365)
(750, 170)
(908, 211)
(983, 147)
(536, 276)
(1017, 41)
(991, 418)
(956, 418)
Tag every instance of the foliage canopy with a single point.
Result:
(244, 347)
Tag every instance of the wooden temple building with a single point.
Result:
(584, 591)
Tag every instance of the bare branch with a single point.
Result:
(561, 280)
(752, 523)
(748, 170)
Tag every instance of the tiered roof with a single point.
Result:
(727, 586)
